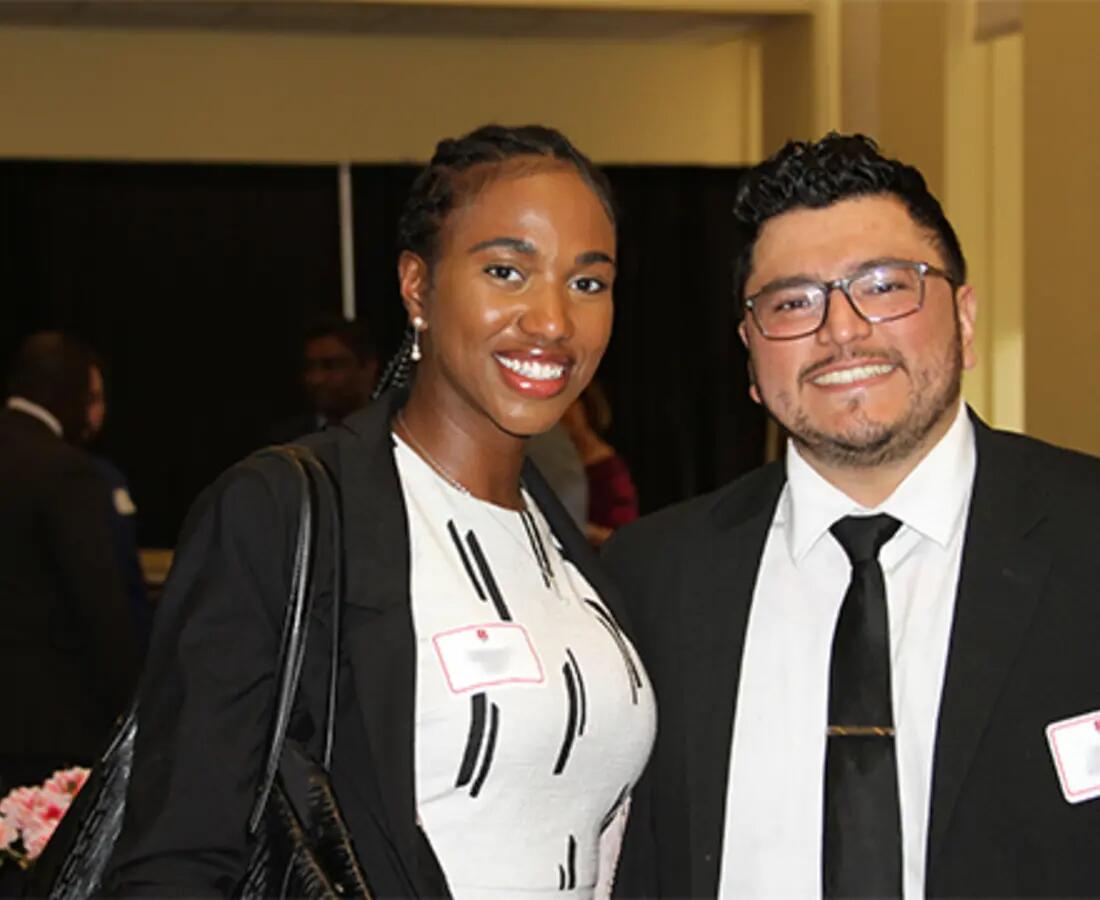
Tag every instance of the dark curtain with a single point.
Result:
(676, 371)
(378, 193)
(196, 282)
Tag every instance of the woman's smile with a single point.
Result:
(534, 373)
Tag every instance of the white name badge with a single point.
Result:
(1075, 749)
(481, 656)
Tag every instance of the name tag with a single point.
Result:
(481, 656)
(1075, 749)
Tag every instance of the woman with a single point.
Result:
(612, 497)
(492, 717)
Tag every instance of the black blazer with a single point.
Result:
(205, 704)
(1024, 651)
(66, 634)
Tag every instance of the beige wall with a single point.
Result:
(788, 73)
(892, 71)
(1062, 204)
(984, 197)
(276, 97)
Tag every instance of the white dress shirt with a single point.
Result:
(773, 828)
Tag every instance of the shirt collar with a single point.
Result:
(43, 415)
(931, 500)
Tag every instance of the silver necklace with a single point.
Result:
(441, 470)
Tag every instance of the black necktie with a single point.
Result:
(861, 851)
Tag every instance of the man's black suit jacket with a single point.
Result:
(207, 694)
(1024, 652)
(66, 634)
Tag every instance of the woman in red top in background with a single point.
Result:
(612, 497)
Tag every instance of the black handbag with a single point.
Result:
(301, 846)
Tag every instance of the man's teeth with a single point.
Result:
(528, 368)
(856, 373)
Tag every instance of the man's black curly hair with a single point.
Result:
(837, 167)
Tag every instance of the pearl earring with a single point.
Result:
(418, 326)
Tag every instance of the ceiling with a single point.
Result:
(364, 17)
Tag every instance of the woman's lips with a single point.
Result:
(538, 376)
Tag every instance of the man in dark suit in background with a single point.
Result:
(66, 633)
(339, 371)
(876, 660)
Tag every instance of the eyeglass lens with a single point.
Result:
(881, 293)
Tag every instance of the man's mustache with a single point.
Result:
(891, 356)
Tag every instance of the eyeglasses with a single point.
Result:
(880, 292)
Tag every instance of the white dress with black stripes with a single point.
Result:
(534, 716)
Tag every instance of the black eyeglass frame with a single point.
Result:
(844, 286)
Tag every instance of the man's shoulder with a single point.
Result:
(37, 450)
(1059, 471)
(682, 524)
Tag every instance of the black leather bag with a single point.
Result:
(301, 845)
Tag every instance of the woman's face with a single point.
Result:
(518, 303)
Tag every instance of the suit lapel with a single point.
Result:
(379, 640)
(574, 544)
(717, 593)
(1000, 583)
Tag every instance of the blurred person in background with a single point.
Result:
(557, 459)
(612, 497)
(122, 513)
(66, 633)
(339, 371)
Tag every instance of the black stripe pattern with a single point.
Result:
(632, 673)
(567, 872)
(581, 691)
(538, 548)
(453, 532)
(487, 577)
(479, 736)
(473, 740)
(576, 710)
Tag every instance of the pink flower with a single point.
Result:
(19, 805)
(67, 781)
(35, 838)
(8, 834)
(31, 814)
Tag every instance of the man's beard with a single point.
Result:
(866, 443)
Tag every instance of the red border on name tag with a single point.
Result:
(1089, 791)
(508, 626)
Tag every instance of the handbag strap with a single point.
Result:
(311, 472)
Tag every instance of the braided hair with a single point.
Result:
(447, 180)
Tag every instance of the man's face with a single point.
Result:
(900, 380)
(336, 382)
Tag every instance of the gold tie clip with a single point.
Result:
(859, 731)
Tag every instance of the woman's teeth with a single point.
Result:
(528, 368)
(848, 376)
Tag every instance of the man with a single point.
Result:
(876, 661)
(66, 633)
(339, 371)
